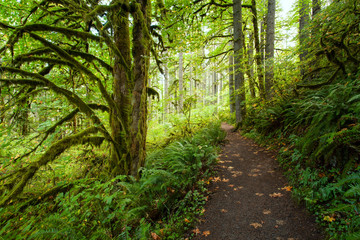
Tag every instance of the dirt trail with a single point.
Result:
(249, 199)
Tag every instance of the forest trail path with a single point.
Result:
(249, 198)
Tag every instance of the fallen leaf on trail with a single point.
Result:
(238, 202)
(255, 170)
(216, 179)
(231, 185)
(196, 231)
(270, 171)
(266, 212)
(280, 222)
(236, 155)
(203, 210)
(225, 180)
(230, 168)
(186, 220)
(256, 225)
(276, 195)
(206, 233)
(224, 210)
(155, 236)
(221, 161)
(253, 175)
(259, 194)
(287, 188)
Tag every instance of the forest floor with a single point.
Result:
(250, 198)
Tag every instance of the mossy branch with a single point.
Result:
(63, 54)
(50, 193)
(50, 155)
(45, 50)
(54, 61)
(73, 98)
(23, 81)
(66, 31)
(100, 9)
(318, 85)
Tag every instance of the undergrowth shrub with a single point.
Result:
(171, 189)
(319, 137)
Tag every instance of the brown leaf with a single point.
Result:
(217, 179)
(287, 188)
(196, 231)
(155, 236)
(259, 194)
(276, 195)
(266, 212)
(256, 225)
(225, 180)
(206, 233)
(224, 210)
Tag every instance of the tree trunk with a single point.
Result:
(166, 90)
(120, 161)
(240, 106)
(231, 83)
(316, 7)
(250, 68)
(303, 21)
(181, 80)
(141, 55)
(258, 55)
(270, 47)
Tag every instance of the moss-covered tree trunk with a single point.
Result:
(119, 161)
(141, 55)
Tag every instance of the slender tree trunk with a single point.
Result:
(258, 55)
(231, 83)
(303, 21)
(166, 90)
(240, 106)
(269, 48)
(250, 68)
(316, 7)
(231, 77)
(220, 88)
(181, 80)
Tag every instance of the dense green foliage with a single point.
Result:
(315, 122)
(170, 189)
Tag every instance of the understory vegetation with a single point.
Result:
(318, 137)
(162, 203)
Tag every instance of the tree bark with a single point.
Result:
(303, 21)
(119, 161)
(250, 68)
(181, 80)
(270, 47)
(258, 55)
(141, 55)
(240, 106)
(231, 83)
(166, 90)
